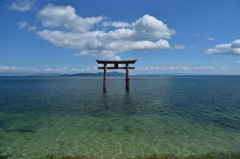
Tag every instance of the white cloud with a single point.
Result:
(211, 39)
(117, 58)
(238, 62)
(150, 28)
(196, 35)
(147, 33)
(179, 47)
(54, 16)
(13, 68)
(226, 49)
(214, 61)
(236, 44)
(85, 70)
(22, 25)
(106, 24)
(188, 69)
(80, 70)
(32, 27)
(22, 5)
(54, 70)
(120, 24)
(180, 68)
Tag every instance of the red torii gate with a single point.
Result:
(116, 67)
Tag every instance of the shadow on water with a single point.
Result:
(116, 104)
(19, 130)
(5, 156)
(131, 103)
(105, 104)
(120, 104)
(227, 123)
(127, 104)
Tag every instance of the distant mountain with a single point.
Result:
(162, 74)
(168, 74)
(27, 74)
(114, 73)
(95, 74)
(81, 74)
(50, 74)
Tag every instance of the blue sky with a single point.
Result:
(165, 36)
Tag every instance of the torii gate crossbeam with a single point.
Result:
(116, 67)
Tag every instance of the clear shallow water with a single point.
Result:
(165, 117)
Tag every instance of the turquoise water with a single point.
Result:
(161, 117)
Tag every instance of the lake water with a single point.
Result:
(160, 117)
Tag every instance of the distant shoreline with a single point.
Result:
(112, 74)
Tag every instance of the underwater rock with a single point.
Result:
(5, 157)
(19, 130)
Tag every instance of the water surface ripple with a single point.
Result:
(161, 117)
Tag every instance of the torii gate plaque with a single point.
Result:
(116, 67)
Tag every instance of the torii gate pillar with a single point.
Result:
(116, 67)
(105, 78)
(127, 78)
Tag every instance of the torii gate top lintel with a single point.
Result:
(116, 67)
(113, 62)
